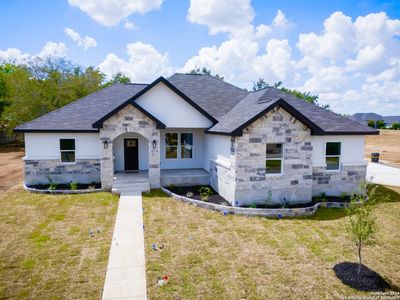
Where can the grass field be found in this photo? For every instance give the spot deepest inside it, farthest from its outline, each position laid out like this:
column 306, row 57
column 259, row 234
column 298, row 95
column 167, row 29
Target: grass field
column 387, row 143
column 46, row 251
column 211, row 256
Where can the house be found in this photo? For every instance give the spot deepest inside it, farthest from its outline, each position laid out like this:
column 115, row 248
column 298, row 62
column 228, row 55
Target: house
column 365, row 117
column 197, row 129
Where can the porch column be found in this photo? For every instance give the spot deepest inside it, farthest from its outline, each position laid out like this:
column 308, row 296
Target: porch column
column 154, row 159
column 106, row 163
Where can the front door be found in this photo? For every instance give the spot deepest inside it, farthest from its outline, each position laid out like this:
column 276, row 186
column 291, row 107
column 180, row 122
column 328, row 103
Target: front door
column 131, row 155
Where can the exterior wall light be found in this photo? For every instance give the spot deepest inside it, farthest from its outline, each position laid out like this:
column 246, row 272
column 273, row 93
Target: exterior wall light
column 154, row 144
column 105, row 144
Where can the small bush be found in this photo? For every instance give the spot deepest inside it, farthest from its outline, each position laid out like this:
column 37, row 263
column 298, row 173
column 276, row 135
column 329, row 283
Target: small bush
column 52, row 186
column 73, row 186
column 322, row 197
column 343, row 195
column 205, row 192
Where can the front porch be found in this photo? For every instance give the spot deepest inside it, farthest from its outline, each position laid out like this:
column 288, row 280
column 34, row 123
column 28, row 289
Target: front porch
column 177, row 177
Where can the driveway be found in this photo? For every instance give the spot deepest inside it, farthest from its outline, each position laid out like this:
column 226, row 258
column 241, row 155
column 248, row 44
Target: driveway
column 382, row 174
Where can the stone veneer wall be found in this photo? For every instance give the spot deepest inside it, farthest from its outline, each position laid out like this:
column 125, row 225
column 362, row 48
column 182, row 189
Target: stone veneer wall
column 129, row 119
column 248, row 160
column 45, row 170
column 333, row 183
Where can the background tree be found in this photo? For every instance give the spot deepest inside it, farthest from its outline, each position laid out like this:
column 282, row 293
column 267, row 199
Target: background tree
column 306, row 96
column 396, row 126
column 41, row 85
column 205, row 71
column 118, row 78
column 362, row 223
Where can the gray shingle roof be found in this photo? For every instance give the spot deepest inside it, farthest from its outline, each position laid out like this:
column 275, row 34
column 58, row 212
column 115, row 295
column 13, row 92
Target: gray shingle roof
column 233, row 107
column 213, row 95
column 319, row 119
column 359, row 117
column 81, row 114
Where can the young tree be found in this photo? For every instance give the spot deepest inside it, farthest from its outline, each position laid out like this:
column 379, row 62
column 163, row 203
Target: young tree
column 362, row 222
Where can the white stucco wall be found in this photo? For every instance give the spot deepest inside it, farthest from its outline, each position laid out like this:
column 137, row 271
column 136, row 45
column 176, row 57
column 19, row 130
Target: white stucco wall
column 172, row 110
column 118, row 151
column 47, row 145
column 217, row 148
column 197, row 159
column 352, row 149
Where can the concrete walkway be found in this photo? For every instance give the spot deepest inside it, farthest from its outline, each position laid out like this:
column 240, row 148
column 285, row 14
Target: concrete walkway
column 382, row 174
column 126, row 272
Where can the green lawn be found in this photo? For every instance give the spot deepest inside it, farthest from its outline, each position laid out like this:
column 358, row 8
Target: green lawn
column 211, row 256
column 46, row 251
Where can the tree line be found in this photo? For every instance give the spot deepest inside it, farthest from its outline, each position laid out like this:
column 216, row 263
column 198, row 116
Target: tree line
column 40, row 85
column 37, row 86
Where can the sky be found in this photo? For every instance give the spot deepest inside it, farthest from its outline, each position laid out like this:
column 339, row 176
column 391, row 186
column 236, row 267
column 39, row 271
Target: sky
column 347, row 52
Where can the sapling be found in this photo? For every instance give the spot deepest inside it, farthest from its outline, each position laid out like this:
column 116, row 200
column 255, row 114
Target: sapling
column 362, row 222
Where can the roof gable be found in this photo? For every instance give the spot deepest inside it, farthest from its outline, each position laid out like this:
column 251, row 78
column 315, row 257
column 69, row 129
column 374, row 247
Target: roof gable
column 256, row 104
column 99, row 122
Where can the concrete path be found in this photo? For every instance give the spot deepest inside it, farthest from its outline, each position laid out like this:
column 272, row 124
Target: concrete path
column 382, row 174
column 126, row 272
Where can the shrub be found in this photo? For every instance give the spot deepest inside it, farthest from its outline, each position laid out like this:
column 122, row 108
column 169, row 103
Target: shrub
column 322, row 197
column 73, row 186
column 52, row 186
column 343, row 195
column 205, row 192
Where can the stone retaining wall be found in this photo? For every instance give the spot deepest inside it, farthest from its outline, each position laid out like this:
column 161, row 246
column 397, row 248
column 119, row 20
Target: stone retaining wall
column 261, row 212
column 82, row 171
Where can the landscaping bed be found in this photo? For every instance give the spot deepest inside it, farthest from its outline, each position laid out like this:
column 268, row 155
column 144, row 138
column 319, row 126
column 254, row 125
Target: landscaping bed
column 194, row 193
column 71, row 188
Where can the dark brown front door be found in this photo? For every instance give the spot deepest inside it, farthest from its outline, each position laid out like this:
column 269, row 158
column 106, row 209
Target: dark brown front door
column 131, row 155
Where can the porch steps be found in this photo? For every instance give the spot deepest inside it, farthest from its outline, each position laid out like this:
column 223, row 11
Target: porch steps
column 128, row 182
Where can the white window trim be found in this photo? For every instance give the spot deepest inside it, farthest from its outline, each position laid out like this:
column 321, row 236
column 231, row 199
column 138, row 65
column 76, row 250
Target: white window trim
column 276, row 158
column 60, row 151
column 339, row 156
column 179, row 147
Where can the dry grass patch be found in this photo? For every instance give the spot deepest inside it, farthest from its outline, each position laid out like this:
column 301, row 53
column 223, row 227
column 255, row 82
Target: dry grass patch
column 211, row 256
column 46, row 251
column 387, row 143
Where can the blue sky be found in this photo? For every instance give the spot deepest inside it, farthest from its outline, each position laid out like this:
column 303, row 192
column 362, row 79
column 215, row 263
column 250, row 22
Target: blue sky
column 342, row 61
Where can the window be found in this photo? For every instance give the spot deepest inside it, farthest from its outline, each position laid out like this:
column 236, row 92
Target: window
column 178, row 145
column 171, row 145
column 332, row 154
column 67, row 149
column 274, row 157
column 186, row 145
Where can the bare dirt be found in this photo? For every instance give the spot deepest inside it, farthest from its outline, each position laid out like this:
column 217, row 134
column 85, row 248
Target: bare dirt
column 387, row 143
column 11, row 171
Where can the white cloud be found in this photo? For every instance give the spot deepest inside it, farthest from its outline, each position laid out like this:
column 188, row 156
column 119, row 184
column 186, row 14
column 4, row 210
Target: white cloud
column 49, row 49
column 53, row 49
column 221, row 16
column 85, row 42
column 111, row 12
column 129, row 25
column 280, row 20
column 143, row 65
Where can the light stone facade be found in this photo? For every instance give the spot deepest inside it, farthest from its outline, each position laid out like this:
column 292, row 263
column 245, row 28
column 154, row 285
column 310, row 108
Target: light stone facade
column 45, row 171
column 129, row 119
column 333, row 183
column 245, row 181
